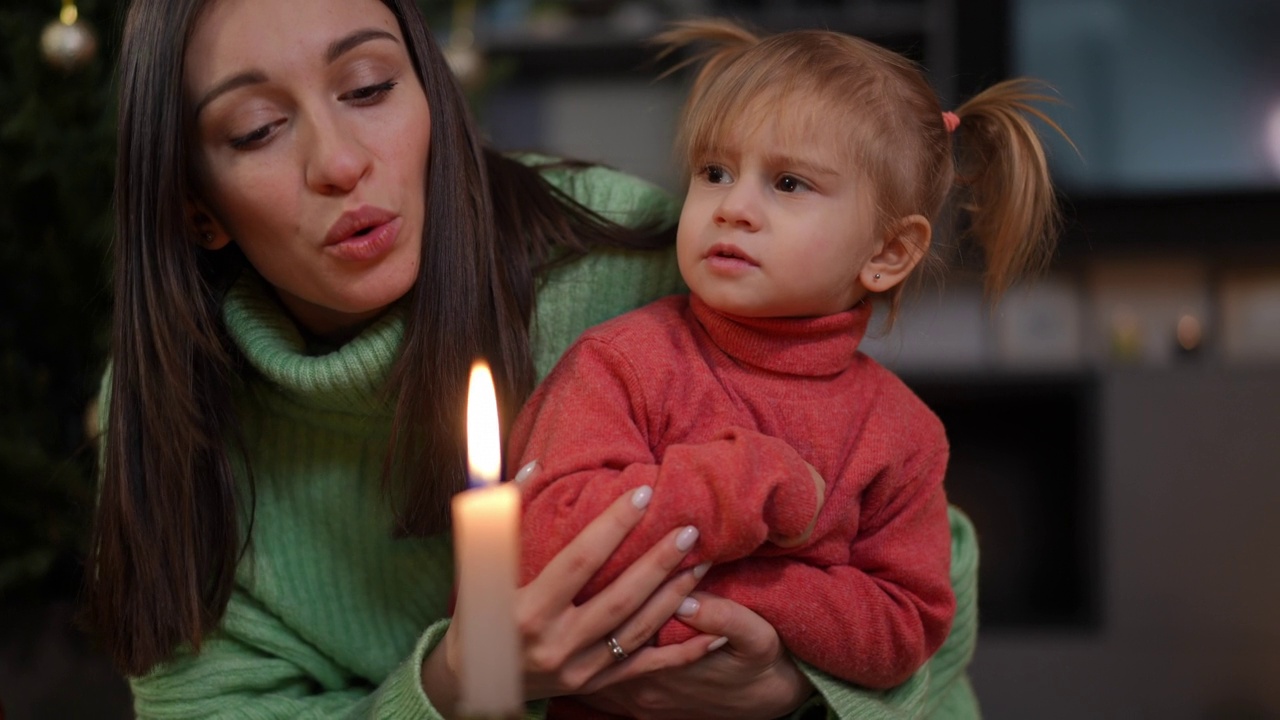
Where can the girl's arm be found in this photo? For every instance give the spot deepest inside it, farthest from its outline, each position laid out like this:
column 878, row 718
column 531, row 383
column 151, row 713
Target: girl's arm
column 588, row 427
column 745, row 679
column 877, row 619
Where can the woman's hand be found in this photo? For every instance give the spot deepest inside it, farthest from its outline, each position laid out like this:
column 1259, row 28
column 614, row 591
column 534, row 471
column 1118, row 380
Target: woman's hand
column 750, row 675
column 566, row 646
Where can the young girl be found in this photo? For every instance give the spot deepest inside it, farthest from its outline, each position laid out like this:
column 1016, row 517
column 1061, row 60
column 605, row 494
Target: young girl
column 818, row 165
column 312, row 245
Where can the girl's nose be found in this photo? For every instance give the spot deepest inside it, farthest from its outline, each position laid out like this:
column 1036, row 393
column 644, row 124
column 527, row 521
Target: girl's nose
column 739, row 208
column 336, row 160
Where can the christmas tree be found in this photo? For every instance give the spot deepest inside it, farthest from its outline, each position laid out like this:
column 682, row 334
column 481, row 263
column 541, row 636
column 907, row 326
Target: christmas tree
column 57, row 154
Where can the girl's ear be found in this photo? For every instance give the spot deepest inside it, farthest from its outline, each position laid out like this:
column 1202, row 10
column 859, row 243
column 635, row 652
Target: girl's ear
column 212, row 234
column 904, row 246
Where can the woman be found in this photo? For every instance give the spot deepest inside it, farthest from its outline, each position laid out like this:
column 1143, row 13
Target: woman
column 312, row 245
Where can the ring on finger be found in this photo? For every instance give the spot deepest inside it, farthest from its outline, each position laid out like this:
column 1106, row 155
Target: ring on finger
column 618, row 653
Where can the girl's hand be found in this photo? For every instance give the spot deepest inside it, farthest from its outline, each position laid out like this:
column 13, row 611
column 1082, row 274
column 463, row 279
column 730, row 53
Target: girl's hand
column 749, row 676
column 820, row 487
column 566, row 646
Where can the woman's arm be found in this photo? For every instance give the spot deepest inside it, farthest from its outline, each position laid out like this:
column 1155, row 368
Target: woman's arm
column 748, row 676
column 564, row 643
column 257, row 666
column 745, row 679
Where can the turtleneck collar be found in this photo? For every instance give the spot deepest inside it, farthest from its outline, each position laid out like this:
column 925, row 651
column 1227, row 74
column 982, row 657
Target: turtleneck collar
column 813, row 347
column 346, row 379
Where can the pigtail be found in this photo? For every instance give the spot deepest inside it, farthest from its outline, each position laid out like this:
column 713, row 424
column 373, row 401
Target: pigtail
column 1003, row 170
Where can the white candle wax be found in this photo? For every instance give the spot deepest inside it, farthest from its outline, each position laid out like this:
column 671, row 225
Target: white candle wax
column 486, row 527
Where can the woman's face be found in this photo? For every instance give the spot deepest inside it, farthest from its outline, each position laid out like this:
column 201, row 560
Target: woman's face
column 311, row 141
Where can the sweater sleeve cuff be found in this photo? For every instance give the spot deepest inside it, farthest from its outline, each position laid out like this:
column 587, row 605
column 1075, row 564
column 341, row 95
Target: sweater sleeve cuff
column 847, row 702
column 402, row 695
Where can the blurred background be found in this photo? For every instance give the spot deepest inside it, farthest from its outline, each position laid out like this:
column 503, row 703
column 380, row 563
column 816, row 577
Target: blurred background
column 1115, row 424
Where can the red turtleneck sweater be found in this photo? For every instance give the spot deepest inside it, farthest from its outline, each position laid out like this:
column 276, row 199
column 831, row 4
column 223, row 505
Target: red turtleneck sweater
column 719, row 414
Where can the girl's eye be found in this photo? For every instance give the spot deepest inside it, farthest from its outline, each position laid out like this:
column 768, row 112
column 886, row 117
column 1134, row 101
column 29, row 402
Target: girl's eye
column 791, row 183
column 369, row 94
column 715, row 174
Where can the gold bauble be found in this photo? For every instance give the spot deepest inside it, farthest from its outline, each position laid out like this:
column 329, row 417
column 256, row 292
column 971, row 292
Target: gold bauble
column 68, row 43
column 465, row 59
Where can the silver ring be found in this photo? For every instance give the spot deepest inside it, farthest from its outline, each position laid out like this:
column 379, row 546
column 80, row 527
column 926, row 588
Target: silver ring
column 618, row 653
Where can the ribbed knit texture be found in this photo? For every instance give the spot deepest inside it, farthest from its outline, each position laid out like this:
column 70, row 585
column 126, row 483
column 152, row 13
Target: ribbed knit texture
column 718, row 414
column 941, row 689
column 332, row 617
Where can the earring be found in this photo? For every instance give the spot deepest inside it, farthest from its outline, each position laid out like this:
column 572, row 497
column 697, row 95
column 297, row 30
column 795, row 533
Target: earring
column 207, row 237
column 877, row 276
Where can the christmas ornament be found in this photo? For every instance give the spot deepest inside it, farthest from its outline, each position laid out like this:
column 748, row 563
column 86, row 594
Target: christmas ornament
column 461, row 52
column 68, row 43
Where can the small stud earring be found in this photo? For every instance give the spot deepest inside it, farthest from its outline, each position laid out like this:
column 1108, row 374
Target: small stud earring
column 877, row 276
column 207, row 237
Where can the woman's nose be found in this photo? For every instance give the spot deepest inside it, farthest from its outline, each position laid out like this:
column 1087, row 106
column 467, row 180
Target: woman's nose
column 336, row 160
column 738, row 208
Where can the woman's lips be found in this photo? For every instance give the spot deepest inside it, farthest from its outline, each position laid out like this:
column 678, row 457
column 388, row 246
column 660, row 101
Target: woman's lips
column 363, row 234
column 369, row 243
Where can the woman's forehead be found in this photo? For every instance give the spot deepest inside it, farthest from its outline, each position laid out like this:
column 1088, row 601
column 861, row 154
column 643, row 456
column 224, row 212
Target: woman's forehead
column 234, row 36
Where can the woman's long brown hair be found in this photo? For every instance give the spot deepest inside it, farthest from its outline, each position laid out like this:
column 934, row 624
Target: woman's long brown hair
column 171, row 518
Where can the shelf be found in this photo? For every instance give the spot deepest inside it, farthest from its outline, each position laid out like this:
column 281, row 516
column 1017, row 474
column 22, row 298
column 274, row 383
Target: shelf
column 1212, row 221
column 588, row 47
column 600, row 46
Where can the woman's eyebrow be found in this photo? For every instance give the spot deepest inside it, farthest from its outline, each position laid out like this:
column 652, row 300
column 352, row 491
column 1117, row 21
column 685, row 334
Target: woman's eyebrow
column 359, row 37
column 251, row 77
column 336, row 49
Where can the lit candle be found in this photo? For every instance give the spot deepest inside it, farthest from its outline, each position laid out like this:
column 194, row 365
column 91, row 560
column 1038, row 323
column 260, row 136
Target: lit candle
column 486, row 528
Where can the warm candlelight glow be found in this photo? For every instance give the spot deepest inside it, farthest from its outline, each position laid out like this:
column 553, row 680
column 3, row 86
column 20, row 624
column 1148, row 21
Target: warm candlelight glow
column 484, row 449
column 486, row 537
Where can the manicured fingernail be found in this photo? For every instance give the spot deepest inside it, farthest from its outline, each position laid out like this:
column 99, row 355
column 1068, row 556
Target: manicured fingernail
column 717, row 643
column 686, row 538
column 701, row 570
column 641, row 497
column 688, row 607
column 525, row 472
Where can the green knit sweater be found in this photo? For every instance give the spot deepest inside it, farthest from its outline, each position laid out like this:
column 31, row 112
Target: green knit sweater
column 331, row 617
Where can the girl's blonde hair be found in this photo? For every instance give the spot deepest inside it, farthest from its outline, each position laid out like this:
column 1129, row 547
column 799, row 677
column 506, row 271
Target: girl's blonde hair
column 896, row 134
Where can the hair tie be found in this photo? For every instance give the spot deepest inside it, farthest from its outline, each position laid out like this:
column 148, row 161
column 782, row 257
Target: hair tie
column 951, row 120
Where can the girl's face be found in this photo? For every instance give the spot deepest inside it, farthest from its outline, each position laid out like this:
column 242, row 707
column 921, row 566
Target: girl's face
column 311, row 141
column 777, row 223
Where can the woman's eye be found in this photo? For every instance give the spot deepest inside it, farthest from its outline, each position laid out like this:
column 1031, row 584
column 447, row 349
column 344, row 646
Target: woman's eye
column 368, row 94
column 253, row 139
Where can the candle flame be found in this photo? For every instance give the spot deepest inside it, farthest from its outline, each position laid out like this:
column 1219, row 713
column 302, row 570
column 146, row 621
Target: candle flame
column 484, row 447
